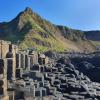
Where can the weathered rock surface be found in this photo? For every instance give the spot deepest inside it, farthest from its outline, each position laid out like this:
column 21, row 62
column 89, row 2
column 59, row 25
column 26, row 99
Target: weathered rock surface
column 76, row 75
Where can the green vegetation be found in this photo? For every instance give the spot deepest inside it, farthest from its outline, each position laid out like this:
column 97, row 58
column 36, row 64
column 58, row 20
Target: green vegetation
column 33, row 31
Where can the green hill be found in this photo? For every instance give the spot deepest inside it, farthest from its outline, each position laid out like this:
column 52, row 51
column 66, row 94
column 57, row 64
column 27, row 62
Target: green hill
column 29, row 29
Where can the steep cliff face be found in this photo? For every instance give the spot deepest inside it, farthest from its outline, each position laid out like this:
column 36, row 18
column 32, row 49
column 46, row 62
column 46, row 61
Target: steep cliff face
column 30, row 30
column 71, row 34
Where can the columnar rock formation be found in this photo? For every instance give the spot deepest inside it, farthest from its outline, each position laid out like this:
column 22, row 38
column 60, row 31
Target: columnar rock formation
column 13, row 63
column 3, row 80
column 27, row 75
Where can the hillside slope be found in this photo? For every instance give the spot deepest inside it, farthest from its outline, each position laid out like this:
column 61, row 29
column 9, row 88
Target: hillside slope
column 29, row 30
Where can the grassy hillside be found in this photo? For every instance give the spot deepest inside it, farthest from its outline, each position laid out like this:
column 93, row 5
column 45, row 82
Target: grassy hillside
column 28, row 29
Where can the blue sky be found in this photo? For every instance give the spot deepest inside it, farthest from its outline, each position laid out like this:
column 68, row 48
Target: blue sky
column 78, row 14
